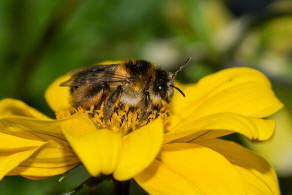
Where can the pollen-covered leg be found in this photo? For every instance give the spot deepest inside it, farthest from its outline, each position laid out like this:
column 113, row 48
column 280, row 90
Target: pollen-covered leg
column 111, row 102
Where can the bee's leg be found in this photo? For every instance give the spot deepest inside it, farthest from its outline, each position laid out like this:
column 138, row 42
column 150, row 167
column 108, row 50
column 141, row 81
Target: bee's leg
column 145, row 106
column 111, row 102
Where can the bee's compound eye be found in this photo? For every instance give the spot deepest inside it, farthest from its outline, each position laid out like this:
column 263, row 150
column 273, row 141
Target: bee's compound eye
column 159, row 87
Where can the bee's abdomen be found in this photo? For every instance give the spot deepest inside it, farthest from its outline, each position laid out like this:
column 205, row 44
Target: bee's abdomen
column 88, row 95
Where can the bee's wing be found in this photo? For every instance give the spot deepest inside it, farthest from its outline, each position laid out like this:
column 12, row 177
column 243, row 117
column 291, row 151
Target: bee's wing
column 94, row 75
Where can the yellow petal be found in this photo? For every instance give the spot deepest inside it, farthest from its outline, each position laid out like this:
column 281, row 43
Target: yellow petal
column 98, row 149
column 278, row 151
column 258, row 176
column 11, row 143
column 139, row 150
column 238, row 90
column 201, row 168
column 159, row 179
column 109, row 62
column 38, row 173
column 54, row 158
column 16, row 107
column 31, row 128
column 14, row 150
column 79, row 124
column 58, row 97
column 34, row 148
column 218, row 125
column 9, row 161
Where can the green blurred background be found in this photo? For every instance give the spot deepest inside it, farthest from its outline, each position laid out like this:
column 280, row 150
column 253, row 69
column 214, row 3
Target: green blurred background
column 43, row 39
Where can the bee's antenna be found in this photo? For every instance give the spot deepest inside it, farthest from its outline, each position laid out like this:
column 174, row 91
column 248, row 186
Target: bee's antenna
column 179, row 90
column 181, row 67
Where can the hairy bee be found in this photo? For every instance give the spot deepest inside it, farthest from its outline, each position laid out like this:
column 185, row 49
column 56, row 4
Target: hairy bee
column 136, row 83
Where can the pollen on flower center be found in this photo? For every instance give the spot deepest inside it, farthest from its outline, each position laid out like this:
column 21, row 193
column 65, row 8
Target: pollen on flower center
column 124, row 118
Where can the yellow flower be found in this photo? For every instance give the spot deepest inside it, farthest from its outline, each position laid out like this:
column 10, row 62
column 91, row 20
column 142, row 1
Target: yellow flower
column 178, row 153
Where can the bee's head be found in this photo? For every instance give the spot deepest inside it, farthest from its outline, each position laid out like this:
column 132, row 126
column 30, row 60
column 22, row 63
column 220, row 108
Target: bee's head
column 163, row 85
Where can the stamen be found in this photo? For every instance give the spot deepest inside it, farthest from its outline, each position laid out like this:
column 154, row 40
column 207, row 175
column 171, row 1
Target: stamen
column 124, row 118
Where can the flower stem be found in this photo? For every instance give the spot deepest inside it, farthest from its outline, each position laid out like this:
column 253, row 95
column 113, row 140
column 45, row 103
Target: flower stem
column 91, row 183
column 122, row 187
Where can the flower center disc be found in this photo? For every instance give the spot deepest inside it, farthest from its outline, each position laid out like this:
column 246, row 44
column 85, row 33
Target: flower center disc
column 124, row 118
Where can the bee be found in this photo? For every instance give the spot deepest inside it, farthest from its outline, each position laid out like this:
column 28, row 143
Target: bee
column 136, row 83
